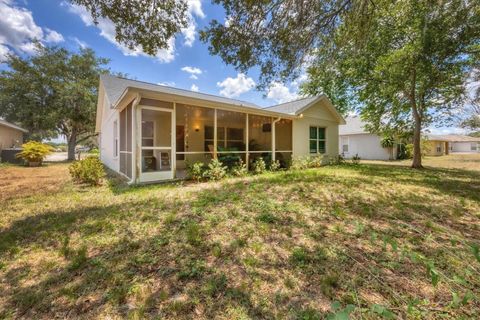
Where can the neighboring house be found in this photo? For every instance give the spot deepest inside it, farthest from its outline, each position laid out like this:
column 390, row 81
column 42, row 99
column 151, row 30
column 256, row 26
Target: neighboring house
column 150, row 132
column 355, row 140
column 440, row 145
column 11, row 135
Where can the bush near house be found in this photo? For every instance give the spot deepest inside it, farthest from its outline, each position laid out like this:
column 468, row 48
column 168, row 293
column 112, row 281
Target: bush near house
column 33, row 152
column 89, row 170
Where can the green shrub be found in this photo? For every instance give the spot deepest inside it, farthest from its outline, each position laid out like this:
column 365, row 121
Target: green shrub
column 356, row 159
column 34, row 151
column 275, row 165
column 306, row 162
column 215, row 170
column 300, row 163
column 89, row 170
column 315, row 161
column 195, row 171
column 336, row 160
column 239, row 169
column 259, row 166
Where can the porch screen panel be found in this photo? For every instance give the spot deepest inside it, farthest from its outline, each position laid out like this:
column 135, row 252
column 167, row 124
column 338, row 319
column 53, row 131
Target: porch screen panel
column 194, row 134
column 283, row 135
column 231, row 134
column 259, row 138
column 126, row 141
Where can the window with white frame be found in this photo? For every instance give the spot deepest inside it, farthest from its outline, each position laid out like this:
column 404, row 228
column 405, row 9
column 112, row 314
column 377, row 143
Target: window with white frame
column 345, row 144
column 115, row 138
column 439, row 147
column 317, row 140
column 473, row 146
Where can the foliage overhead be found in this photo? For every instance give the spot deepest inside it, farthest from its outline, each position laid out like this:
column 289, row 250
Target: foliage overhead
column 148, row 24
column 277, row 36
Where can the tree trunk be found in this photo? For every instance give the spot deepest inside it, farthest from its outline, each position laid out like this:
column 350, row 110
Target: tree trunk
column 417, row 152
column 72, row 143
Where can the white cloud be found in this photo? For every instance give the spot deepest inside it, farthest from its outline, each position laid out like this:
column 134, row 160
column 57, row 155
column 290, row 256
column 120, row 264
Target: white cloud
column 107, row 30
column 194, row 9
column 18, row 29
column 80, row 43
column 167, row 83
column 233, row 87
column 280, row 93
column 193, row 77
column 228, row 21
column 194, row 88
column 53, row 36
column 192, row 70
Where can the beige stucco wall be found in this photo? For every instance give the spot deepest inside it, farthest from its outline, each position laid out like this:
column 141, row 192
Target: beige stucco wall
column 432, row 146
column 9, row 137
column 317, row 115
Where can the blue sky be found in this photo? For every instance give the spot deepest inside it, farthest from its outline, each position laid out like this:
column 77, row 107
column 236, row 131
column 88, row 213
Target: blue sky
column 187, row 64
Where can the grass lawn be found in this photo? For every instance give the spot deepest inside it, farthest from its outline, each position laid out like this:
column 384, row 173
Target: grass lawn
column 382, row 240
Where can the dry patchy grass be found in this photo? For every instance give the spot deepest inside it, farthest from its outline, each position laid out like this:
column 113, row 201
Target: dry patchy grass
column 386, row 241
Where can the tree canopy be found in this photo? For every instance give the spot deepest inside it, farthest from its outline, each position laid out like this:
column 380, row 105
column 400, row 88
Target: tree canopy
column 146, row 23
column 53, row 92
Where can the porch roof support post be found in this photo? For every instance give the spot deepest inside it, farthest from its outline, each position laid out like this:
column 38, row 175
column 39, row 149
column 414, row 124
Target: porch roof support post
column 273, row 137
column 173, row 152
column 136, row 140
column 215, row 142
column 247, row 156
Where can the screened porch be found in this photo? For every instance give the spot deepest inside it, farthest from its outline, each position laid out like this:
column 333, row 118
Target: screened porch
column 167, row 136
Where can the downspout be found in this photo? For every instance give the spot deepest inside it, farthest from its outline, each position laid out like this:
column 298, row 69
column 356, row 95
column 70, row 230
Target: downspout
column 273, row 137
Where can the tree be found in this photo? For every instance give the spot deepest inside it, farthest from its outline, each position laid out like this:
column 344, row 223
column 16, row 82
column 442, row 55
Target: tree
column 149, row 24
column 472, row 121
column 408, row 65
column 53, row 92
column 402, row 63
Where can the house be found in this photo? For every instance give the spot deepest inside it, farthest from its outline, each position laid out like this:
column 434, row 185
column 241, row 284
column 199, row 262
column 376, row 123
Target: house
column 11, row 135
column 355, row 140
column 149, row 132
column 439, row 145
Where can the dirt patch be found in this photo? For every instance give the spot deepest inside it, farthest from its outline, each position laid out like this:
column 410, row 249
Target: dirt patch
column 18, row 181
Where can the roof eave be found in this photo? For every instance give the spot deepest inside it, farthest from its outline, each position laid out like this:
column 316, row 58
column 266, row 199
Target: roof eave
column 234, row 107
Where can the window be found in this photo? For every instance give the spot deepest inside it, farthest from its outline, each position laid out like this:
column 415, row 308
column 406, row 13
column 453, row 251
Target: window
column 345, row 145
column 473, row 147
column 115, row 138
column 439, row 147
column 317, row 140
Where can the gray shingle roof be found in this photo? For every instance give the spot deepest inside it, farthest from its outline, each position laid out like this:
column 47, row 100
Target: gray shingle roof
column 292, row 107
column 354, row 125
column 451, row 138
column 11, row 125
column 116, row 86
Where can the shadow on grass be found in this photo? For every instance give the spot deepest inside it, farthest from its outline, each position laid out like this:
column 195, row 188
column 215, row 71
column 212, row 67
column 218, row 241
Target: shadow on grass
column 176, row 269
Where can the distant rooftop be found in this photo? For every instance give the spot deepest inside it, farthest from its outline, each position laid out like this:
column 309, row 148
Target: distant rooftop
column 11, row 125
column 452, row 138
column 292, row 107
column 354, row 125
